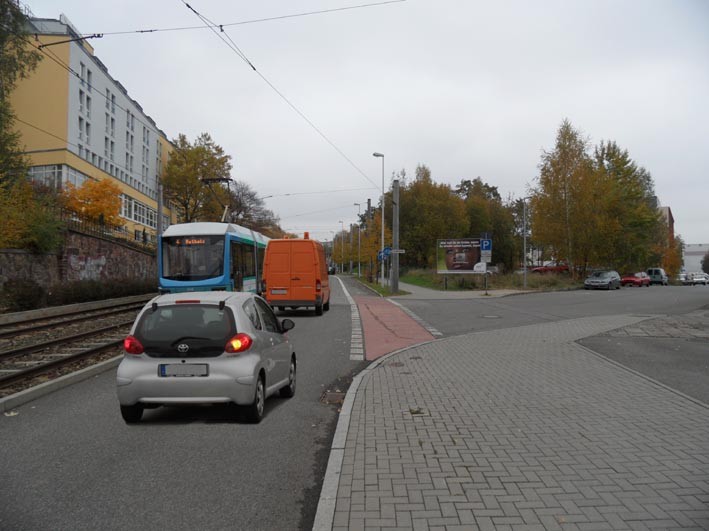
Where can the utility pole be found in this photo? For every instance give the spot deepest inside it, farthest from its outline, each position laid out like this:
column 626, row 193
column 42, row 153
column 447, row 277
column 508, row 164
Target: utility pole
column 395, row 236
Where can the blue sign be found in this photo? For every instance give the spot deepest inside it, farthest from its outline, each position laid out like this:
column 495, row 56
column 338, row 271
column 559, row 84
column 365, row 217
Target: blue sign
column 387, row 252
column 379, row 256
column 486, row 245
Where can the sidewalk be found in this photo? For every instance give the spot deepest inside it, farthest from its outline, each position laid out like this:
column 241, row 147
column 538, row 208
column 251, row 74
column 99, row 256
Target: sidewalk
column 417, row 292
column 516, row 429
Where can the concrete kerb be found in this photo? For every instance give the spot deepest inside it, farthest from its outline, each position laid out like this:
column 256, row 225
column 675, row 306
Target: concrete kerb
column 328, row 494
column 12, row 401
column 641, row 375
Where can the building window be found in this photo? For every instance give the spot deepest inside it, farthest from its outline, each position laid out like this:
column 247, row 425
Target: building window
column 131, row 164
column 108, row 123
column 108, row 99
column 81, row 128
column 50, row 176
column 113, row 103
column 89, row 77
column 113, row 126
column 88, row 133
column 82, row 71
column 82, row 101
column 113, row 149
column 88, row 107
column 105, row 146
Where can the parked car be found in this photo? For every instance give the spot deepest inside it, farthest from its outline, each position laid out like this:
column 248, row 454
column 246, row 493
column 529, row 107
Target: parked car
column 552, row 267
column 636, row 279
column 603, row 280
column 657, row 276
column 205, row 347
column 699, row 278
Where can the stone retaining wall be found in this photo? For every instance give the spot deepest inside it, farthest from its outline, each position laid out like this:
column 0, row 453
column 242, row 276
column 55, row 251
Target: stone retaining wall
column 83, row 257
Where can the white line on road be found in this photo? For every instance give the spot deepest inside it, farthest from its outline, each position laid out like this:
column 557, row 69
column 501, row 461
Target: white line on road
column 357, row 340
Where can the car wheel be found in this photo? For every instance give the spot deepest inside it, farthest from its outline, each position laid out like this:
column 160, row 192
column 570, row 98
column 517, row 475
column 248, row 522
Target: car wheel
column 318, row 309
column 289, row 390
column 132, row 414
column 326, row 306
column 254, row 411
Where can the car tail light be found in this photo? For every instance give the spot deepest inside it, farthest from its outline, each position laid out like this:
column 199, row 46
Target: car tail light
column 238, row 343
column 132, row 346
column 318, row 285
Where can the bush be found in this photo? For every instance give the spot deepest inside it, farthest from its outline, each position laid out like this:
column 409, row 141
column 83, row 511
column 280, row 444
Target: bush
column 24, row 294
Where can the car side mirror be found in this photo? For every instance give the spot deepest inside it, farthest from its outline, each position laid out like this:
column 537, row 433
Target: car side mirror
column 287, row 324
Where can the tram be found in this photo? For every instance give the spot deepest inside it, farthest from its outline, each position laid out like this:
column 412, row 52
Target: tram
column 210, row 257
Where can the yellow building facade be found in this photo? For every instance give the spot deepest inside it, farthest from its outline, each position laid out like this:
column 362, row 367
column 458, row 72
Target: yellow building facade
column 78, row 123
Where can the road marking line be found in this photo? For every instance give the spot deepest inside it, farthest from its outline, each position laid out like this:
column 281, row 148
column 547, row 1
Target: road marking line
column 416, row 318
column 357, row 339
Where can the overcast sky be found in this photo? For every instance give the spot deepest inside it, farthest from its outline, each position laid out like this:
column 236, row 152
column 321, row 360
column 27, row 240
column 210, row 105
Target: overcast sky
column 467, row 88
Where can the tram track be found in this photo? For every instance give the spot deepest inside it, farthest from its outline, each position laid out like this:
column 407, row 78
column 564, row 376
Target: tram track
column 40, row 349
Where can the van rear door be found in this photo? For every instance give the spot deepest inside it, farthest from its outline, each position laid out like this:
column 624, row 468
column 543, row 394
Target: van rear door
column 279, row 268
column 303, row 271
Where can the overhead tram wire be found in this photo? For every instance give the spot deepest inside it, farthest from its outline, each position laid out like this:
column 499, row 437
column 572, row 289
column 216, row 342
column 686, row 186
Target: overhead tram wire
column 282, row 17
column 236, row 50
column 319, row 192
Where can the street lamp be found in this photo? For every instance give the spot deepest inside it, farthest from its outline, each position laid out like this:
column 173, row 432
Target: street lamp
column 342, row 256
column 359, row 239
column 381, row 155
column 524, row 239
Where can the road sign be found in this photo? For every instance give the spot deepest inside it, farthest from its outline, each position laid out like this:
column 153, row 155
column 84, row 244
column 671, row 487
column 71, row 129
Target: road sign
column 398, row 251
column 379, row 256
column 486, row 256
column 387, row 252
column 486, row 245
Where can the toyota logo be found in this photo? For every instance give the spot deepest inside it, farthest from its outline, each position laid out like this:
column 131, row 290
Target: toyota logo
column 183, row 347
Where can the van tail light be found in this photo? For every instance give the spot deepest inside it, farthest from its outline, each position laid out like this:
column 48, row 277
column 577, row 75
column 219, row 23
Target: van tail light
column 318, row 285
column 132, row 346
column 238, row 343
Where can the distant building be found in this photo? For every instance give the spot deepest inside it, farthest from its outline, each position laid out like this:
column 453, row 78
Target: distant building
column 670, row 220
column 79, row 123
column 693, row 255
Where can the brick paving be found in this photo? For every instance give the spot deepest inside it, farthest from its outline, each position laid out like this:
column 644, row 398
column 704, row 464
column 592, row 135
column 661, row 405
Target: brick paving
column 516, row 429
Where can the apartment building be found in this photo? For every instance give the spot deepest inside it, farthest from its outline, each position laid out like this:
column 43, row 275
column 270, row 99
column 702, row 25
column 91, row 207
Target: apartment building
column 77, row 122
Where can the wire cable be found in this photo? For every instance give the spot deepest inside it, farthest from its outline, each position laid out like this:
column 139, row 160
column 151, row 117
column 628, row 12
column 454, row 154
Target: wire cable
column 253, row 21
column 236, row 50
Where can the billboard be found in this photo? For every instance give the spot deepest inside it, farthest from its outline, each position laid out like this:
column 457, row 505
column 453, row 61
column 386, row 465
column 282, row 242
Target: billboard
column 457, row 256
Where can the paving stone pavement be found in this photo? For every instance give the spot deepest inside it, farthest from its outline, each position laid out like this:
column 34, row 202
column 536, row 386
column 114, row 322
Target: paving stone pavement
column 518, row 429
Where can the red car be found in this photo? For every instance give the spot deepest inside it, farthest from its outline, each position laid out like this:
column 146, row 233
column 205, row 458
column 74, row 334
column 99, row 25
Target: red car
column 552, row 267
column 636, row 279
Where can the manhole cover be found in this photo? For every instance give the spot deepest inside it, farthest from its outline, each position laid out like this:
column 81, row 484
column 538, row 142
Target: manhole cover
column 332, row 397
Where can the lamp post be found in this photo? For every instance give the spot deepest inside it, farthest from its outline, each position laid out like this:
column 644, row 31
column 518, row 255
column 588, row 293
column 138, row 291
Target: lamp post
column 381, row 155
column 342, row 256
column 524, row 239
column 359, row 239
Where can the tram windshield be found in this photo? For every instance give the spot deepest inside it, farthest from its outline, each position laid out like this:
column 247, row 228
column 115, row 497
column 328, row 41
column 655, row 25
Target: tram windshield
column 192, row 257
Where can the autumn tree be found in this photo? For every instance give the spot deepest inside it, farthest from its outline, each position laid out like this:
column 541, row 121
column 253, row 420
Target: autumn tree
column 17, row 61
column 97, row 201
column 29, row 219
column 428, row 212
column 248, row 209
column 191, row 167
column 558, row 207
column 487, row 214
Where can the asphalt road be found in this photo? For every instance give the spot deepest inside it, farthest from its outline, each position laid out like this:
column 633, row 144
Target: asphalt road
column 69, row 462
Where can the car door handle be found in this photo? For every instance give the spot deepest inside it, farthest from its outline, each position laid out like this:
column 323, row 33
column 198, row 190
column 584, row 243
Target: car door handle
column 295, row 278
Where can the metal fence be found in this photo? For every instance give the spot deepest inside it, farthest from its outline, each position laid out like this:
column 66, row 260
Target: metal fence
column 141, row 240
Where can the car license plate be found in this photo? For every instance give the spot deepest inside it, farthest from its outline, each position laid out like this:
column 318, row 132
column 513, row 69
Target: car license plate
column 183, row 369
column 279, row 291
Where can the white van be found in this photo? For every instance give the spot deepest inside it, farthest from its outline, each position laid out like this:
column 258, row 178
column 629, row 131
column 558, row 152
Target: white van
column 657, row 276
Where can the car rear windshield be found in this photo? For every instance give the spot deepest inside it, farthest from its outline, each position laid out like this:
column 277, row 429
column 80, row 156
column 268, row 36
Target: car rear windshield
column 185, row 330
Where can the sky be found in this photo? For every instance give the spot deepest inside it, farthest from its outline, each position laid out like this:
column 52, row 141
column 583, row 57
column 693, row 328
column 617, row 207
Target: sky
column 467, row 88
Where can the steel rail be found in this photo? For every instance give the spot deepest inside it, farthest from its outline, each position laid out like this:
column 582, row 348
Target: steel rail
column 58, row 320
column 59, row 341
column 44, row 367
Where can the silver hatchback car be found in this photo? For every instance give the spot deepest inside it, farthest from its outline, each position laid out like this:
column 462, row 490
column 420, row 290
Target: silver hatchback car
column 206, row 347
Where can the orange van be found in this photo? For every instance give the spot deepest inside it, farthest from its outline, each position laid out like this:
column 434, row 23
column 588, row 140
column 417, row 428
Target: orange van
column 295, row 274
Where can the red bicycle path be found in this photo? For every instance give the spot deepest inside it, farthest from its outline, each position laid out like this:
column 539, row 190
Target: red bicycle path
column 386, row 327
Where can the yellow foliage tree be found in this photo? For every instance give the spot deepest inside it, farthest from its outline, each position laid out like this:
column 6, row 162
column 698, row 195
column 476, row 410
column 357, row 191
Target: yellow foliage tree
column 94, row 201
